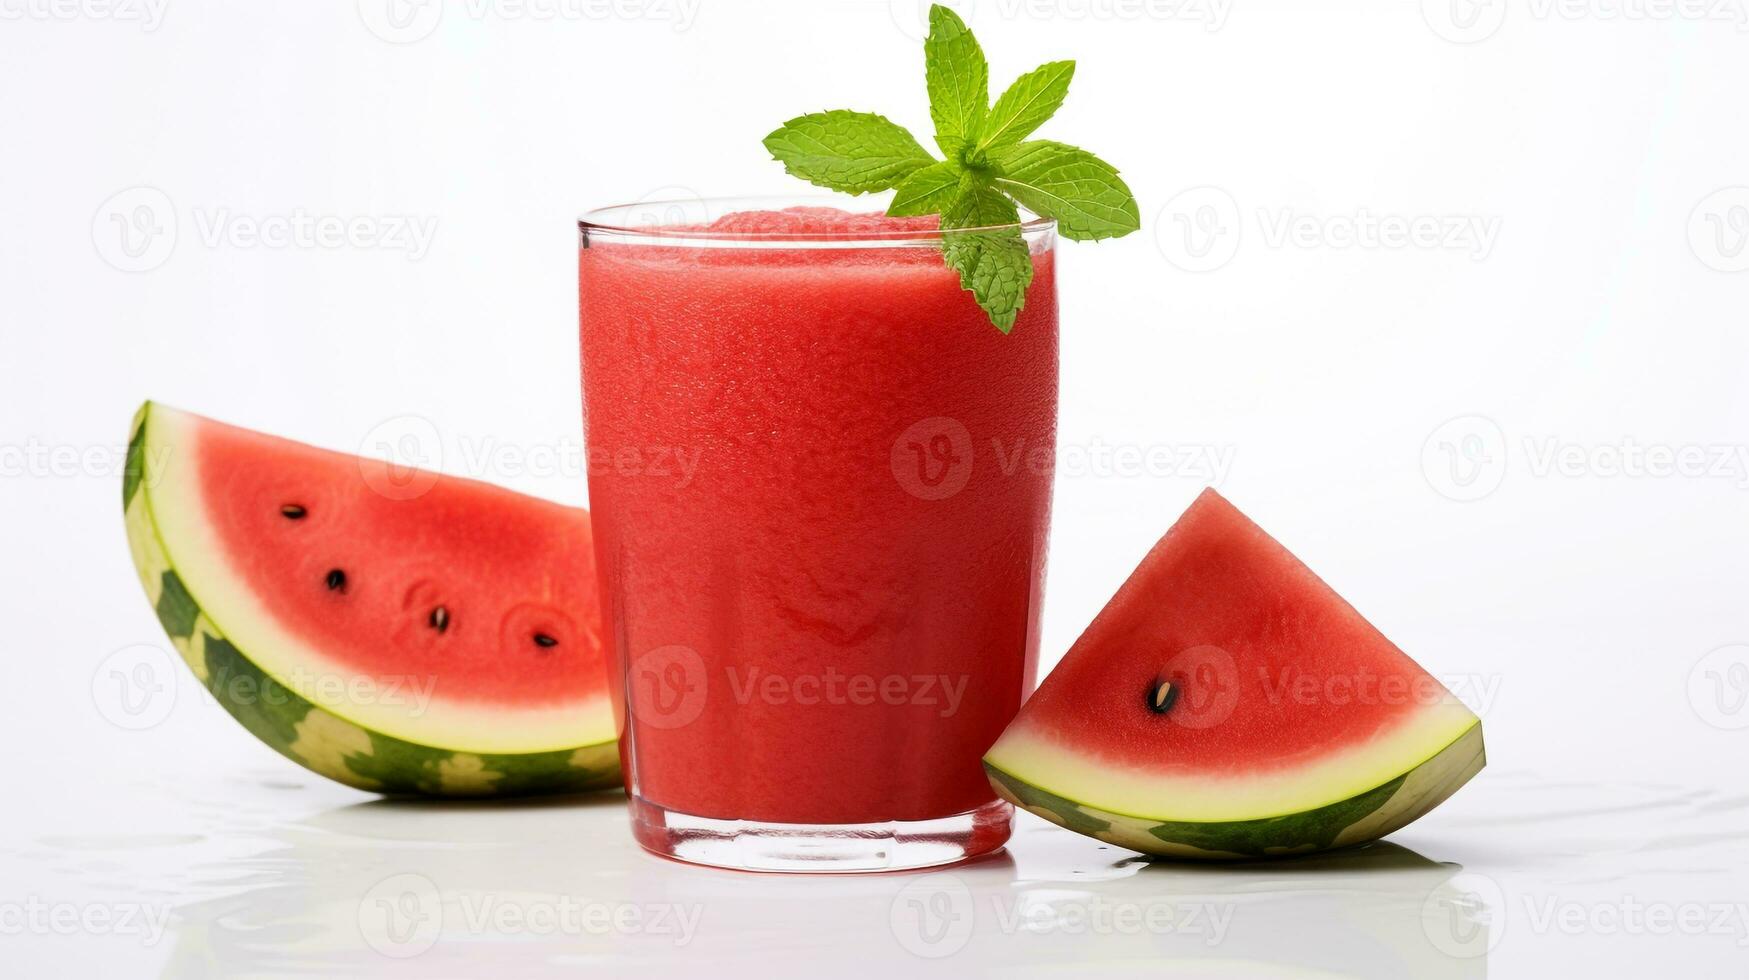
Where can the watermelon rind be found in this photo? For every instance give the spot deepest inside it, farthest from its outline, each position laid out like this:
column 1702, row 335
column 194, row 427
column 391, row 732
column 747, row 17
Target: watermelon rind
column 316, row 736
column 1356, row 819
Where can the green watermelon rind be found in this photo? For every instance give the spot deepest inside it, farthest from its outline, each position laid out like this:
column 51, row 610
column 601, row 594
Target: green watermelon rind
column 1364, row 817
column 308, row 734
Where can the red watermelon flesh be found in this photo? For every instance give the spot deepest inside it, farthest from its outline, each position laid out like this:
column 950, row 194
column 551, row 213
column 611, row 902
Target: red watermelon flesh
column 510, row 578
column 394, row 629
column 1228, row 700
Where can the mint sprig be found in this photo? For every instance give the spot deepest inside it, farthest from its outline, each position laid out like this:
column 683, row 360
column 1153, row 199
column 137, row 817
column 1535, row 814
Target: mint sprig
column 989, row 166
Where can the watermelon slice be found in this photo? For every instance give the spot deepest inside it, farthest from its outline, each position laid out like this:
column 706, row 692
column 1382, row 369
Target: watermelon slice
column 396, row 631
column 1228, row 703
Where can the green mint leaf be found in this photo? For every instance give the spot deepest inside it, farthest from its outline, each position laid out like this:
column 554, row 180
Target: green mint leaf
column 1033, row 98
column 927, row 191
column 854, row 152
column 958, row 80
column 1082, row 192
column 995, row 265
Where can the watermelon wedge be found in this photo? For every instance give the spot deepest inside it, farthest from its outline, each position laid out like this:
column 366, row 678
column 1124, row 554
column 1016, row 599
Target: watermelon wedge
column 1228, row 703
column 396, row 631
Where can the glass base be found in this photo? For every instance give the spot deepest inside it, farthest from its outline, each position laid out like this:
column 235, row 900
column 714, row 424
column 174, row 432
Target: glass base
column 750, row 845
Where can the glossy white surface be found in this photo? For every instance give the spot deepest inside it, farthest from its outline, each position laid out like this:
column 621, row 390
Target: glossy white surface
column 263, row 871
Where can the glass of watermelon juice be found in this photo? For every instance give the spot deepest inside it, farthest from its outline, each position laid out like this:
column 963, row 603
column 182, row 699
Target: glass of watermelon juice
column 820, row 484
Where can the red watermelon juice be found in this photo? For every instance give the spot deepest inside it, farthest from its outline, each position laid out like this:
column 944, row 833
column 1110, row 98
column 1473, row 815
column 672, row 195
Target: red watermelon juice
column 820, row 485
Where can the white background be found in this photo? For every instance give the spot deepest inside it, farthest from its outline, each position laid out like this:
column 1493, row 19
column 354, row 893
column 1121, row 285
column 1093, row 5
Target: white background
column 1472, row 438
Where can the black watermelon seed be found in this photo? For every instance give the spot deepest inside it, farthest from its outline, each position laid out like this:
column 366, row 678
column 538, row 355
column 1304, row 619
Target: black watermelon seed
column 439, row 619
column 336, row 580
column 1162, row 695
column 294, row 512
column 543, row 640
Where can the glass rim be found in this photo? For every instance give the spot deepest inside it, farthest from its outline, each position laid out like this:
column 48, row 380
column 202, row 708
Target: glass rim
column 610, row 223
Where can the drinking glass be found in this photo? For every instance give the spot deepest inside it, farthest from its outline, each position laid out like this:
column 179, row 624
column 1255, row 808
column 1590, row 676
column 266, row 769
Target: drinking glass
column 821, row 481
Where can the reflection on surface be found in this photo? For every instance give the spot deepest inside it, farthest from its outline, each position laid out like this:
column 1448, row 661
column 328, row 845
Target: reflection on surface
column 556, row 887
column 261, row 876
